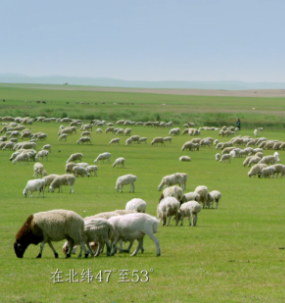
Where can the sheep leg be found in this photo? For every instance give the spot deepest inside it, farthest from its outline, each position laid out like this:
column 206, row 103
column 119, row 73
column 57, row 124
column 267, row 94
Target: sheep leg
column 155, row 240
column 41, row 249
column 195, row 220
column 95, row 173
column 114, row 246
column 90, row 249
column 70, row 248
column 133, row 187
column 108, row 247
column 168, row 221
column 138, row 248
column 71, row 189
column 54, row 251
column 84, row 248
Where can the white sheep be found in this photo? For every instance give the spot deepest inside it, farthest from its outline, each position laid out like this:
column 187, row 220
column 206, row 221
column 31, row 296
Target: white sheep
column 177, row 178
column 185, row 158
column 84, row 140
column 119, row 161
column 135, row 138
column 157, row 140
column 174, row 131
column 142, row 139
column 167, row 139
column 61, row 137
column 188, row 145
column 92, row 168
column 188, row 209
column 253, row 160
column 134, row 227
column 66, row 179
column 53, row 225
column 74, row 157
column 279, row 169
column 39, row 170
column 167, row 208
column 80, row 171
column 34, row 185
column 99, row 130
column 129, row 141
column 256, row 169
column 127, row 131
column 47, row 147
column 137, row 205
column 203, row 191
column 115, row 140
column 42, row 154
column 124, row 180
column 49, row 179
column 214, row 195
column 270, row 159
column 23, row 157
column 217, row 156
column 267, row 172
column 255, row 132
column 226, row 157
column 172, row 191
column 103, row 157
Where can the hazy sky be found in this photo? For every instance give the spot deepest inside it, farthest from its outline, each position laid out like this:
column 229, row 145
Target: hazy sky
column 145, row 39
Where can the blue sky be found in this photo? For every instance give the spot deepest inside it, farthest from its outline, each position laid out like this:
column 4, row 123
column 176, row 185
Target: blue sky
column 201, row 40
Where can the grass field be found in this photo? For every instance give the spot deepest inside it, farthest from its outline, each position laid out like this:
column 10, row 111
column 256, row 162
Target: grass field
column 232, row 255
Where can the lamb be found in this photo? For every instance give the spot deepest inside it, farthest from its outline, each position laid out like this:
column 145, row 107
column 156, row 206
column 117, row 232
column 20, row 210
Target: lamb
column 47, row 147
column 61, row 137
column 226, row 157
column 134, row 226
column 39, row 170
column 191, row 196
column 172, row 191
column 167, row 208
column 169, row 139
column 119, row 161
column 34, row 185
column 80, row 171
column 214, row 195
column 267, row 172
column 129, row 141
column 142, row 139
column 66, row 179
column 174, row 131
column 53, row 225
column 177, row 178
column 42, row 154
column 84, row 140
column 217, row 156
column 103, row 157
column 115, row 140
column 185, row 158
column 74, row 157
column 203, row 191
column 157, row 140
column 256, row 169
column 137, row 205
column 124, row 180
column 96, row 230
column 188, row 209
column 92, row 168
column 270, row 159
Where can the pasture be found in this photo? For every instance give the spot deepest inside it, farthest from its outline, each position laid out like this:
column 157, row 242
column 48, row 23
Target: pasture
column 232, row 255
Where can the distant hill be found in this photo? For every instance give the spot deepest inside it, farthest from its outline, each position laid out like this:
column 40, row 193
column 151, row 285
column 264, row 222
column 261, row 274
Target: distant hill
column 108, row 82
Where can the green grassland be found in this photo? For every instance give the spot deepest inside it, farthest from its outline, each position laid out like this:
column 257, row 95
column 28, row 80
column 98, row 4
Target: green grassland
column 232, row 255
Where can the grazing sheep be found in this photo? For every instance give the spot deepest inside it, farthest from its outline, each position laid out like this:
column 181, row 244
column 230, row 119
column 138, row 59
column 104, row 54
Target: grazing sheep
column 124, row 180
column 84, row 140
column 205, row 142
column 185, row 158
column 191, row 196
column 103, row 157
column 119, row 161
column 99, row 130
column 49, row 179
column 167, row 208
column 85, row 134
column 228, row 150
column 256, row 169
column 80, row 171
column 253, row 160
column 137, row 205
column 174, row 131
column 129, row 141
column 53, row 225
column 23, row 157
column 203, row 191
column 115, row 140
column 172, row 191
column 177, row 178
column 47, row 147
column 157, row 140
column 135, row 138
column 86, row 127
column 225, row 157
column 270, row 159
column 8, row 145
column 217, row 156
column 214, row 195
column 61, row 180
column 188, row 145
column 279, row 169
column 127, row 131
column 134, row 226
column 167, row 139
column 61, row 137
column 142, row 139
column 74, row 157
column 42, row 154
column 34, row 185
column 39, row 170
column 188, row 209
column 267, row 172
column 92, row 168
